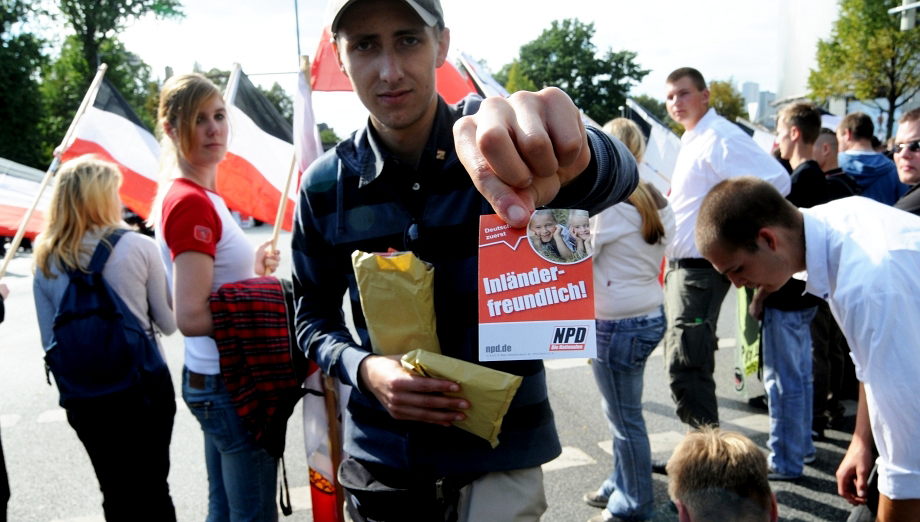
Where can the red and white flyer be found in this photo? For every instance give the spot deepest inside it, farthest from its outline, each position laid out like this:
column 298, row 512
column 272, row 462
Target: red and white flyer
column 536, row 297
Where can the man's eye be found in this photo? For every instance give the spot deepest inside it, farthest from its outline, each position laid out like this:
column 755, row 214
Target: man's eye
column 363, row 46
column 410, row 40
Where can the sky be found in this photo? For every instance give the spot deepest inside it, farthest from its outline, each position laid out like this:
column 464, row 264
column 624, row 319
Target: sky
column 726, row 40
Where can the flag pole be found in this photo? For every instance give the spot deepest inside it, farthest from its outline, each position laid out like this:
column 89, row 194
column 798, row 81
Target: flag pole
column 88, row 100
column 282, row 205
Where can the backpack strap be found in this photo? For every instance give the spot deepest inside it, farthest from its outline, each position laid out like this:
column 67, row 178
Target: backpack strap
column 104, row 249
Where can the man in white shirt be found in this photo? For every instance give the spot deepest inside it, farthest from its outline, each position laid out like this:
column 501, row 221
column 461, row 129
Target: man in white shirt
column 862, row 257
column 712, row 149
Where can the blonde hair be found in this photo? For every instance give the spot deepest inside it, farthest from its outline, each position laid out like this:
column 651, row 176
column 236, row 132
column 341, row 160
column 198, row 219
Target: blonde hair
column 181, row 98
column 85, row 198
column 720, row 475
column 631, row 135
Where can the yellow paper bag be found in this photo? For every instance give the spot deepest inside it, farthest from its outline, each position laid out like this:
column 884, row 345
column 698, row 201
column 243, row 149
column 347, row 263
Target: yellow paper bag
column 488, row 391
column 397, row 298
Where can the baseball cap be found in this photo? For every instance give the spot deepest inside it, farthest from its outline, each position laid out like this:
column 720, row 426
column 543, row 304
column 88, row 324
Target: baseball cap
column 428, row 10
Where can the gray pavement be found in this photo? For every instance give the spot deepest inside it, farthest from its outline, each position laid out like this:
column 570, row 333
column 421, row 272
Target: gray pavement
column 52, row 480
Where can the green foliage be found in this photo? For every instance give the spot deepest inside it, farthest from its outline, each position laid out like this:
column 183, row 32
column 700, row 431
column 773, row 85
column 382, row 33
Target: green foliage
column 20, row 110
column 67, row 79
column 517, row 80
column 868, row 57
column 97, row 22
column 564, row 56
column 727, row 101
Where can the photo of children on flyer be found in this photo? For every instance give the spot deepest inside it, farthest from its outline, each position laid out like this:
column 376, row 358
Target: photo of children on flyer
column 560, row 235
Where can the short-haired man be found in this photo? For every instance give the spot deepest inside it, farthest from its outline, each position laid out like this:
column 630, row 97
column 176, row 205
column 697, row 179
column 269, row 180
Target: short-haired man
column 907, row 159
column 862, row 257
column 720, row 475
column 712, row 149
column 825, row 151
column 874, row 172
column 417, row 178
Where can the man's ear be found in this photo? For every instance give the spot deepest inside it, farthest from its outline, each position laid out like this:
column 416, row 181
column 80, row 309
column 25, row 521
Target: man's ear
column 443, row 45
column 794, row 133
column 682, row 514
column 338, row 57
column 769, row 236
column 774, row 509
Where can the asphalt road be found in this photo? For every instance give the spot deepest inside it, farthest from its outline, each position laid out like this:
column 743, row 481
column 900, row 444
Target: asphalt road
column 52, row 480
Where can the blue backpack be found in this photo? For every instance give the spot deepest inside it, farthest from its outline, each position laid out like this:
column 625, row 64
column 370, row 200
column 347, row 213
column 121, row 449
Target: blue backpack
column 98, row 347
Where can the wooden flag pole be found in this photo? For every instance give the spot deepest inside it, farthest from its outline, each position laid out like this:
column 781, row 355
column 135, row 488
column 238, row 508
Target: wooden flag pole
column 88, row 100
column 282, row 205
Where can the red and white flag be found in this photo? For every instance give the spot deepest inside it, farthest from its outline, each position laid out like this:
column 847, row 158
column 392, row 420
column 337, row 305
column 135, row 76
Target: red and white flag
column 111, row 130
column 252, row 175
column 18, row 188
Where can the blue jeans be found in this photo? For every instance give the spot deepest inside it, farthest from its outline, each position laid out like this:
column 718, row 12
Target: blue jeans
column 623, row 346
column 241, row 474
column 788, row 379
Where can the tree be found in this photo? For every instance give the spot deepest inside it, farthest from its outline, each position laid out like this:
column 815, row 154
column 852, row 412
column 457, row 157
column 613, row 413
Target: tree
column 727, row 101
column 869, row 57
column 21, row 110
column 564, row 56
column 517, row 80
column 97, row 22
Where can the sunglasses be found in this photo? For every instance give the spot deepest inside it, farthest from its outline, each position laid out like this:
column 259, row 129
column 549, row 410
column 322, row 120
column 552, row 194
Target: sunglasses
column 912, row 146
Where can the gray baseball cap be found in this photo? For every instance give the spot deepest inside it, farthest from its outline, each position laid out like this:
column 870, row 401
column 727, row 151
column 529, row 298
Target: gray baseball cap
column 428, row 10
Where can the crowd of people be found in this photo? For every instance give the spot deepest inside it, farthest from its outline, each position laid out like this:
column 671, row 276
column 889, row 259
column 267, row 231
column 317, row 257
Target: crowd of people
column 418, row 177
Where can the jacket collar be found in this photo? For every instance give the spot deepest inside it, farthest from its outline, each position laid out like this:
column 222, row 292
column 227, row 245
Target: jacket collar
column 366, row 154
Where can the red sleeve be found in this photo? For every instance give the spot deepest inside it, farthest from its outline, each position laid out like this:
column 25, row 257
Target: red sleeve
column 190, row 221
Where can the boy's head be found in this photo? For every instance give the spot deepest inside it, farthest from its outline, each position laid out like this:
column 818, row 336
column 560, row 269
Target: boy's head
column 798, row 123
column 389, row 49
column 855, row 129
column 720, row 475
column 750, row 233
column 543, row 224
column 825, row 149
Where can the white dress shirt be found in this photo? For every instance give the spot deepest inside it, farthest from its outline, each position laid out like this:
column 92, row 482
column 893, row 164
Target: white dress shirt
column 862, row 256
column 716, row 149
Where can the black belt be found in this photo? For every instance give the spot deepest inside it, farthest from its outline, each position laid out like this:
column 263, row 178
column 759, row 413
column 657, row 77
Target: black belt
column 196, row 381
column 690, row 262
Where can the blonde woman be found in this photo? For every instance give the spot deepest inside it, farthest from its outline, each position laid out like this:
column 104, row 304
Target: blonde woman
column 204, row 248
column 628, row 245
column 126, row 435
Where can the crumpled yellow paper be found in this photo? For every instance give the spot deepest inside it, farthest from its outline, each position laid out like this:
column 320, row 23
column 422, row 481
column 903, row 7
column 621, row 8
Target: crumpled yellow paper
column 488, row 391
column 397, row 298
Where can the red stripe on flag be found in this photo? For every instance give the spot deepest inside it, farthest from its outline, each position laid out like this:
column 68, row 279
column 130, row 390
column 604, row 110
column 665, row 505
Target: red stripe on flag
column 243, row 187
column 11, row 217
column 137, row 191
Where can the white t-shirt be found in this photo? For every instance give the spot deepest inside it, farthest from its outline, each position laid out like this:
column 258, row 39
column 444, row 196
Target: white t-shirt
column 862, row 256
column 197, row 219
column 626, row 268
column 715, row 150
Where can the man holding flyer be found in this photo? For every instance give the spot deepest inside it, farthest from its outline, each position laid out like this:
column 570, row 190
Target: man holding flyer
column 417, row 178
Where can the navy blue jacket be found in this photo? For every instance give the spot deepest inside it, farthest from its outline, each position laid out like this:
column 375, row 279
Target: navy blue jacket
column 359, row 197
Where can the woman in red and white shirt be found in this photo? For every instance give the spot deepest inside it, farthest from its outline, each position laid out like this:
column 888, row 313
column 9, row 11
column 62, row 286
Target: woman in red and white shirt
column 204, row 248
